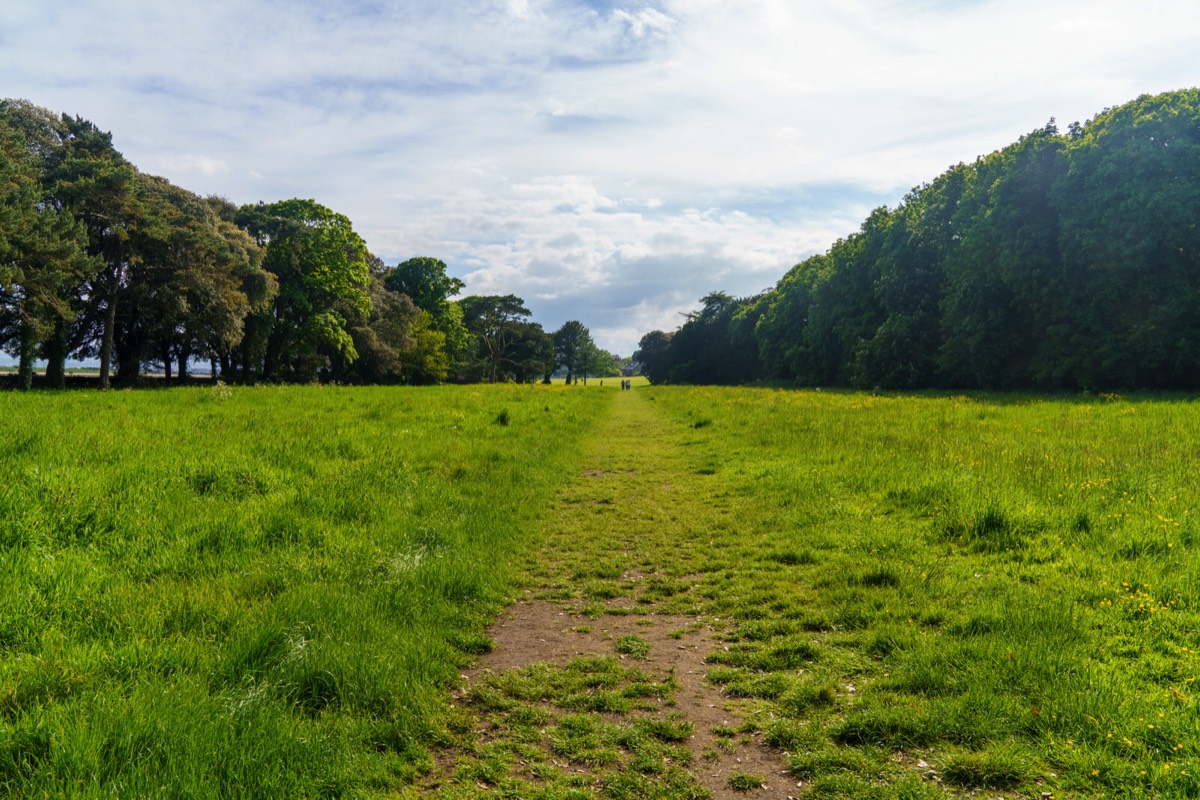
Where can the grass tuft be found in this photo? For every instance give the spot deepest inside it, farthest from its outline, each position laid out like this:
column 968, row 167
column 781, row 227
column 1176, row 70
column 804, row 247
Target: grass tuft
column 745, row 782
column 990, row 769
column 633, row 646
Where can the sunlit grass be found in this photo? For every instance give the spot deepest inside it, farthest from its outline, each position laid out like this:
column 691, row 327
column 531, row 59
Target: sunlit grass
column 256, row 592
column 273, row 590
column 1007, row 586
column 1001, row 589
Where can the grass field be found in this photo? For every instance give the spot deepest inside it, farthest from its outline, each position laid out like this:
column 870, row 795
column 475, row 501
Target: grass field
column 255, row 592
column 273, row 590
column 1002, row 588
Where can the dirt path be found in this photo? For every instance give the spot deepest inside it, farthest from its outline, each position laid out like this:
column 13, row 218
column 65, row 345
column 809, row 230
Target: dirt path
column 609, row 640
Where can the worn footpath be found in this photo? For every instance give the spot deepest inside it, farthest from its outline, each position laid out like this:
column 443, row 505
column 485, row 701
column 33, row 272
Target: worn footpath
column 595, row 685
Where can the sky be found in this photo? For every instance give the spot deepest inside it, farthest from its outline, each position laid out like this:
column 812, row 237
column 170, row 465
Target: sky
column 610, row 161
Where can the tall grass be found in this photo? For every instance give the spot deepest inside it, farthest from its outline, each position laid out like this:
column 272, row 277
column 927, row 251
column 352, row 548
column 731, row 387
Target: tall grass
column 1004, row 587
column 255, row 592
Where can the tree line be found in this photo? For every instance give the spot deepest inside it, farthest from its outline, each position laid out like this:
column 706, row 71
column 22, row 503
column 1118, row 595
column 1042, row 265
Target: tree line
column 1065, row 261
column 101, row 260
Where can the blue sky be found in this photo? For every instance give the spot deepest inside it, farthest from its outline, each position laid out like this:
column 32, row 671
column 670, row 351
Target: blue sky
column 607, row 161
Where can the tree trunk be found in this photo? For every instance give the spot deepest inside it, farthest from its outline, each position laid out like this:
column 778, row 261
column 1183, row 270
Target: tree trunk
column 166, row 359
column 110, row 319
column 106, row 340
column 56, row 356
column 273, row 356
column 129, row 362
column 28, row 345
column 182, row 372
column 247, row 377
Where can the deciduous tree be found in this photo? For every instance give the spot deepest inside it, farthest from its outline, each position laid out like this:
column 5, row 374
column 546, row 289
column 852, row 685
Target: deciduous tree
column 320, row 263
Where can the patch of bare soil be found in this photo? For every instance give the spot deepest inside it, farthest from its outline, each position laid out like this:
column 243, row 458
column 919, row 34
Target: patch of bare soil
column 536, row 631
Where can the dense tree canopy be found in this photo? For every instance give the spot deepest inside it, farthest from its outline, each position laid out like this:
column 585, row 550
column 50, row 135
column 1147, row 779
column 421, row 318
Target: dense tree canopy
column 1064, row 261
column 576, row 353
column 573, row 348
column 425, row 281
column 98, row 259
column 42, row 246
column 508, row 345
column 321, row 266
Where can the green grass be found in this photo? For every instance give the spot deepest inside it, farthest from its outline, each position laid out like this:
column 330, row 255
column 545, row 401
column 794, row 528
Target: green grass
column 744, row 782
column 273, row 590
column 1009, row 585
column 256, row 592
column 1004, row 588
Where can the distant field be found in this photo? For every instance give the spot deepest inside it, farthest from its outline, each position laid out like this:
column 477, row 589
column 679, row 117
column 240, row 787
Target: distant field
column 607, row 383
column 271, row 590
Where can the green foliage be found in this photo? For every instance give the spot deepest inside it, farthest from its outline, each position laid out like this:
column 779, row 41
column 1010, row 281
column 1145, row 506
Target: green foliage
column 508, row 346
column 41, row 244
column 1064, row 261
column 425, row 281
column 87, row 201
column 102, row 260
column 320, row 264
column 572, row 349
column 715, row 345
column 196, row 280
column 653, row 354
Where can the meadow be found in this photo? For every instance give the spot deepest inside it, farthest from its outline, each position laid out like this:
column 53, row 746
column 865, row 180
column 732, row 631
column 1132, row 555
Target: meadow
column 912, row 596
column 255, row 592
column 273, row 590
column 1002, row 589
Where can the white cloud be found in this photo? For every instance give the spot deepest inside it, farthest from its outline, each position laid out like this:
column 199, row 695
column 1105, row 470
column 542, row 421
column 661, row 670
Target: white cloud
column 648, row 21
column 208, row 167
